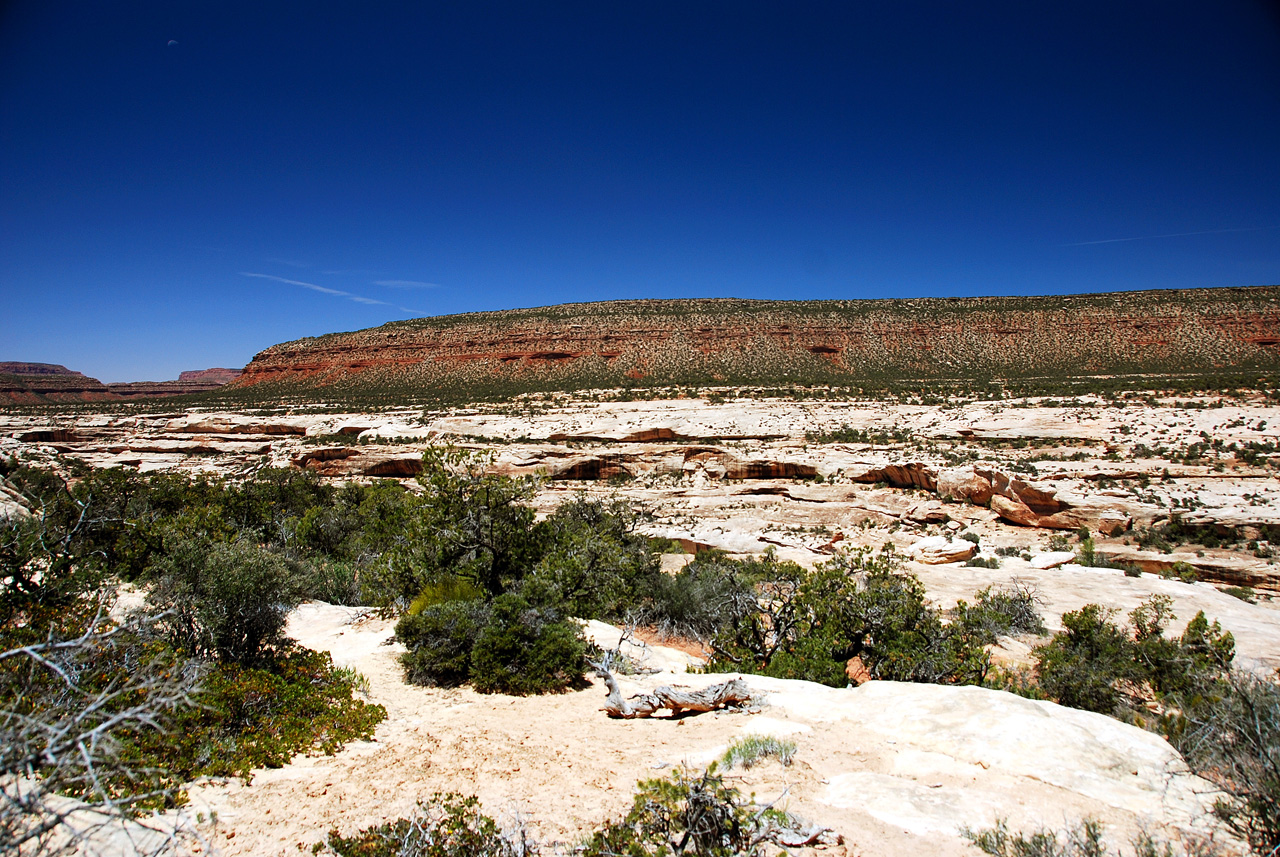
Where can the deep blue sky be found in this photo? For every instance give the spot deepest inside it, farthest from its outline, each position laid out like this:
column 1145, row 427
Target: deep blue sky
column 423, row 158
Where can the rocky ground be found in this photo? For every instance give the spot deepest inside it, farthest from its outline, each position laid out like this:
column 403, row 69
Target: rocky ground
column 892, row 768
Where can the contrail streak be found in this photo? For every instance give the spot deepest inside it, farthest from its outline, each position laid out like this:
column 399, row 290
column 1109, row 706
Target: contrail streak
column 1168, row 235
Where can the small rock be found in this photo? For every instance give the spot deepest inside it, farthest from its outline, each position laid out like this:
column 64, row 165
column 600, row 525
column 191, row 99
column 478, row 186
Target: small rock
column 1053, row 559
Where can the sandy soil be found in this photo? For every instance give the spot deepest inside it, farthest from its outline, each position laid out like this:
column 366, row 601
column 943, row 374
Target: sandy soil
column 894, row 771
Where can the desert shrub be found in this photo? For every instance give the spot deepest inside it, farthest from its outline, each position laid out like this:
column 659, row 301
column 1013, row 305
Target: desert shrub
column 595, row 564
column 750, row 750
column 1097, row 665
column 223, row 600
column 76, row 689
column 1080, row 840
column 1232, row 738
column 524, row 650
column 440, row 640
column 699, row 601
column 903, row 639
column 1244, row 593
column 332, row 581
column 688, row 814
column 1088, row 555
column 446, row 588
column 982, row 562
column 1083, row 666
column 1059, row 542
column 1002, row 610
column 446, row 825
column 470, row 524
column 260, row 716
column 272, row 501
column 112, row 713
column 809, row 624
column 692, row 814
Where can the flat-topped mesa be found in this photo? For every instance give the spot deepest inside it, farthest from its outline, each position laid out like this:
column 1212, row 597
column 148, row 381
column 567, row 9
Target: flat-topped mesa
column 30, row 383
column 729, row 341
column 216, row 376
column 43, row 383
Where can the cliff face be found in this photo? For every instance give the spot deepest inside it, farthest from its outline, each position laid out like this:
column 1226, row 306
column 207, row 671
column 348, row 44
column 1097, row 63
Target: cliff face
column 41, row 383
column 209, row 376
column 732, row 341
column 33, row 383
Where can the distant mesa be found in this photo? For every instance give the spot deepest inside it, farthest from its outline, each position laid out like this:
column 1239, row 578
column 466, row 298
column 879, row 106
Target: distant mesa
column 729, row 342
column 211, row 376
column 40, row 369
column 50, row 383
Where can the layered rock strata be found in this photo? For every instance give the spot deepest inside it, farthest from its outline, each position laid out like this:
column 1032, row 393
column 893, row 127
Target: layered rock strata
column 621, row 343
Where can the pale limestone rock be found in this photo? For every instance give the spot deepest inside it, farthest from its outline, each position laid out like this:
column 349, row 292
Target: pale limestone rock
column 239, row 424
column 12, row 504
column 939, row 730
column 1052, row 559
column 936, row 550
column 395, row 431
column 965, row 483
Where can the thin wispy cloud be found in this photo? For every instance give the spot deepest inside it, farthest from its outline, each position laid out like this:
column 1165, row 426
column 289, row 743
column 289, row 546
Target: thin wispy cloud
column 1167, row 235
column 324, row 290
column 406, row 284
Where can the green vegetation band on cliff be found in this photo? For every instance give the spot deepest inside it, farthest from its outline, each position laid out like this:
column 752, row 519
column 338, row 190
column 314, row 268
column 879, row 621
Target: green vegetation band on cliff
column 645, row 343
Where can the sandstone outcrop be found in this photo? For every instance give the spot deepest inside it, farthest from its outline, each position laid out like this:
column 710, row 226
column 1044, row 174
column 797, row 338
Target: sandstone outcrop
column 625, row 343
column 12, row 503
column 348, row 461
column 239, row 424
column 936, row 550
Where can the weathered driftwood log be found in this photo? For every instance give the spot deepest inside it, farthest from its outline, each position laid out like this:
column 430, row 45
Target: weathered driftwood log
column 733, row 692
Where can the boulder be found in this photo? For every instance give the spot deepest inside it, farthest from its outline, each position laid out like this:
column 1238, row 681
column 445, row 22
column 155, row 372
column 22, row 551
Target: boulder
column 1033, row 506
column 12, row 503
column 965, row 483
column 1052, row 559
column 936, row 550
column 396, row 431
column 931, row 512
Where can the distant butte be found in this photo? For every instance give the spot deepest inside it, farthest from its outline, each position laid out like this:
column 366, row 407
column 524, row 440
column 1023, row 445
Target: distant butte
column 44, row 383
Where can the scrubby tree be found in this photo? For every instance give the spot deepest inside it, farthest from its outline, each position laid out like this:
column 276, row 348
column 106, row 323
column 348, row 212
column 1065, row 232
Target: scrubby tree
column 223, row 600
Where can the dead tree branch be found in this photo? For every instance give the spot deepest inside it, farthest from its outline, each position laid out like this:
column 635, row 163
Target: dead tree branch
column 730, row 693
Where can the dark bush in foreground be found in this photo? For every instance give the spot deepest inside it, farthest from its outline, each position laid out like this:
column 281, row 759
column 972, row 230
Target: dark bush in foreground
column 999, row 611
column 699, row 601
column 1097, row 665
column 502, row 646
column 689, row 814
column 524, row 649
column 807, row 625
column 260, row 717
column 227, row 601
column 1232, row 738
column 440, row 641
